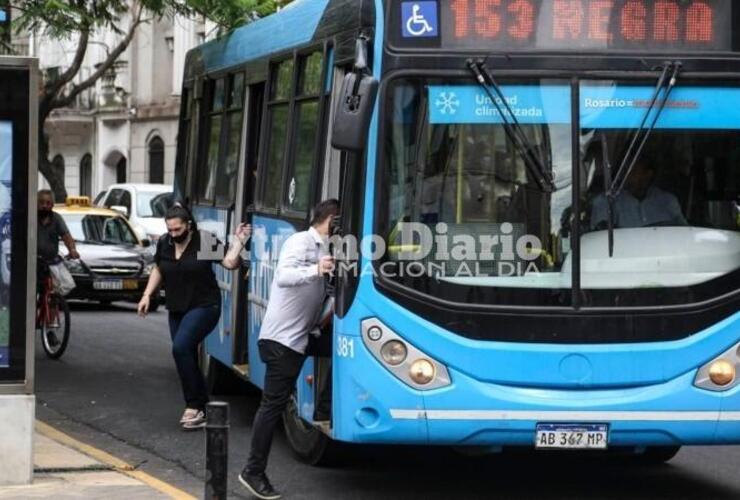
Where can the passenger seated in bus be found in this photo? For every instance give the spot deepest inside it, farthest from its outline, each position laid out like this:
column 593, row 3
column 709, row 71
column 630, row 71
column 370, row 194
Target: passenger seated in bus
column 640, row 204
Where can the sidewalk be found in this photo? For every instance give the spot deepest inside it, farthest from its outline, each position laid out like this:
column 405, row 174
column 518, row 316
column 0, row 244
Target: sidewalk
column 65, row 468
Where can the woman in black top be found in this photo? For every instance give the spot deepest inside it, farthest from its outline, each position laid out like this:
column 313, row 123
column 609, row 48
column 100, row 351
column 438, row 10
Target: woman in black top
column 184, row 266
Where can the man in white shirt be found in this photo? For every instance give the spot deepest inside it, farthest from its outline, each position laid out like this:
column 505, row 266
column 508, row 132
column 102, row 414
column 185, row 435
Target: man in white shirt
column 297, row 293
column 640, row 204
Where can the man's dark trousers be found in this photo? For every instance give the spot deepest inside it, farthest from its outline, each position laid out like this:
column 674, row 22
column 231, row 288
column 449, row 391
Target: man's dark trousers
column 283, row 365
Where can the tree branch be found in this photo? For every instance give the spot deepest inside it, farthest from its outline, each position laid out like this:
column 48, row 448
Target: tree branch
column 51, row 89
column 60, row 102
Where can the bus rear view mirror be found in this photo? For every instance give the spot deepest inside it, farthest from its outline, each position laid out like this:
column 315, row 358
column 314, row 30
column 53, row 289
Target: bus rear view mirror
column 354, row 112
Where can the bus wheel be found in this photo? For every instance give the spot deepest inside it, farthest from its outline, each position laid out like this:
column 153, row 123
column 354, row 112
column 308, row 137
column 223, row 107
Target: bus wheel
column 308, row 443
column 656, row 455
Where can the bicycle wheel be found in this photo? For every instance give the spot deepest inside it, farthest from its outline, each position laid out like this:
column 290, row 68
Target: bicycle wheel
column 55, row 327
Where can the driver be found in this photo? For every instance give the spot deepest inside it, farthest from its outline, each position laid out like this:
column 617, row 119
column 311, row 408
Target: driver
column 640, row 204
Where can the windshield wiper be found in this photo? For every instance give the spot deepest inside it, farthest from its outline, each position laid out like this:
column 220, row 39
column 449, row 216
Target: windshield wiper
column 615, row 186
column 607, row 168
column 513, row 129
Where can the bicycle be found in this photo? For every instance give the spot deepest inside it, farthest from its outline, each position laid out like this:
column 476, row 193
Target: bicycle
column 52, row 315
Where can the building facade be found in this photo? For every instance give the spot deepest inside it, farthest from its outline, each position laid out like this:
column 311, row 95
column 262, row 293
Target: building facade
column 124, row 128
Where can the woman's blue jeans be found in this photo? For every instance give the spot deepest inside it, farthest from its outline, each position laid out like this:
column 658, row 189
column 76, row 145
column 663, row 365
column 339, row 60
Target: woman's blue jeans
column 188, row 329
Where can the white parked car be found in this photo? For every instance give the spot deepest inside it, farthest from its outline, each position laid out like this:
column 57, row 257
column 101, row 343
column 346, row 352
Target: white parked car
column 143, row 204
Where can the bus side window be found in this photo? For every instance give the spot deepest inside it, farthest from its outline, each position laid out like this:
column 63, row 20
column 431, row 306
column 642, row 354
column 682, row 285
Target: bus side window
column 184, row 143
column 254, row 109
column 278, row 110
column 228, row 165
column 307, row 132
column 334, row 159
column 211, row 150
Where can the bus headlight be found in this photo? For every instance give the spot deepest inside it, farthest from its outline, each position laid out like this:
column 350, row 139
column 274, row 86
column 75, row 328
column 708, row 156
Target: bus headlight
column 393, row 352
column 720, row 374
column 422, row 371
column 408, row 363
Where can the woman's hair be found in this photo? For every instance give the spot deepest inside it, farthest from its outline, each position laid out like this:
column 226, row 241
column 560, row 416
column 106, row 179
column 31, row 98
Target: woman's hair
column 180, row 211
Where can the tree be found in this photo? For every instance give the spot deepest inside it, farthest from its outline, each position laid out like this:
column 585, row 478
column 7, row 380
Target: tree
column 79, row 20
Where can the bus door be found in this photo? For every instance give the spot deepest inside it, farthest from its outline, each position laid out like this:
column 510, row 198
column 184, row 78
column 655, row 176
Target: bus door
column 245, row 201
column 214, row 201
column 331, row 175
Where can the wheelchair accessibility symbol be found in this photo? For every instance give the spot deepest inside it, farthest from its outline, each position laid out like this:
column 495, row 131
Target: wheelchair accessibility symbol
column 419, row 19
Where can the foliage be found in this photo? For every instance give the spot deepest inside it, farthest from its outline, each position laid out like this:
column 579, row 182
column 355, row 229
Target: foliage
column 233, row 13
column 79, row 20
column 63, row 18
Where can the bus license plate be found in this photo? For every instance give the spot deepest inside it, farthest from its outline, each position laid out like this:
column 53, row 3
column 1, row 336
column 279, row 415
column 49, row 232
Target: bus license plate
column 108, row 285
column 572, row 436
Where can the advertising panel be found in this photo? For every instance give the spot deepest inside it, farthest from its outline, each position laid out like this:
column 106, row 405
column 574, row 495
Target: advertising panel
column 6, row 172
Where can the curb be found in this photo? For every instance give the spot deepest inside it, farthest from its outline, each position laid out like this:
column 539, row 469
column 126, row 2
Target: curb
column 114, row 463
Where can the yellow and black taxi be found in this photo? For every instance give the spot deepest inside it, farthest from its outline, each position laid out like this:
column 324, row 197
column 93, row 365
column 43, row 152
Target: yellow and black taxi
column 114, row 263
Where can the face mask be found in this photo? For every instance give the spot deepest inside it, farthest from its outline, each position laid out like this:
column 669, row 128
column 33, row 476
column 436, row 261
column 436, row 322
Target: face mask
column 181, row 237
column 44, row 213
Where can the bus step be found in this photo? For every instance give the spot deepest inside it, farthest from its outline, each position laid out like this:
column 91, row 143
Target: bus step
column 242, row 370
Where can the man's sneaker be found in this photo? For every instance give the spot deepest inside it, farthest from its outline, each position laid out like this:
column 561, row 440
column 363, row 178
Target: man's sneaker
column 258, row 485
column 195, row 423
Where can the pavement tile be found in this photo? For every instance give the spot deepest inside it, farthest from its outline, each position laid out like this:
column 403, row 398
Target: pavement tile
column 62, row 472
column 48, row 454
column 104, row 485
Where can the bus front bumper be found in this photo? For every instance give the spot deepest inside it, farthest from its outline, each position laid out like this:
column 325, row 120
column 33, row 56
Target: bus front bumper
column 376, row 407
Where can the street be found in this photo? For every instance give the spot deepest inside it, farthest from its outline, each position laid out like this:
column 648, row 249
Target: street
column 116, row 389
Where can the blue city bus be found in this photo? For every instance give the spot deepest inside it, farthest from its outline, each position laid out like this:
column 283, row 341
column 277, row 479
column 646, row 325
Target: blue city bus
column 556, row 190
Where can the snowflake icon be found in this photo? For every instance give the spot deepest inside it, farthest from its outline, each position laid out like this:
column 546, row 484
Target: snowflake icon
column 447, row 102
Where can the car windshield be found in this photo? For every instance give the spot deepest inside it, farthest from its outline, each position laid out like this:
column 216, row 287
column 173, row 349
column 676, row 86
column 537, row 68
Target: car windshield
column 465, row 221
column 100, row 229
column 153, row 203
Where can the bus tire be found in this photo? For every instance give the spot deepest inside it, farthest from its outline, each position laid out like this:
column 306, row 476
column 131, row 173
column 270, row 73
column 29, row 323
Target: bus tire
column 656, row 455
column 309, row 444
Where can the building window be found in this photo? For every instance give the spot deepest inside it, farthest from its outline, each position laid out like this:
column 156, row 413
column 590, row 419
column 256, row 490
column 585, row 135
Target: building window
column 156, row 161
column 86, row 175
column 121, row 171
column 58, row 165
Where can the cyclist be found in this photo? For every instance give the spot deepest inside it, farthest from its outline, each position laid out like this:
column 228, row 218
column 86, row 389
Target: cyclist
column 51, row 228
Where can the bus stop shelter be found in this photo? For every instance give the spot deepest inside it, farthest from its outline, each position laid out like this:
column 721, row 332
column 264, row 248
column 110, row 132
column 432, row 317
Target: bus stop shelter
column 18, row 181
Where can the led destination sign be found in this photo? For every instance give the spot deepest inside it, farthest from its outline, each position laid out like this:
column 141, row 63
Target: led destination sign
column 505, row 25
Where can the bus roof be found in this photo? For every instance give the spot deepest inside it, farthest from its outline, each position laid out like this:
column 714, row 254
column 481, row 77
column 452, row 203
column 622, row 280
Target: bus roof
column 294, row 25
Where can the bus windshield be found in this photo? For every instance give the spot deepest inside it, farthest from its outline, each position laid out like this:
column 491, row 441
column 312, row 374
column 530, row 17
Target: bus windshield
column 465, row 221
column 456, row 176
column 677, row 218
